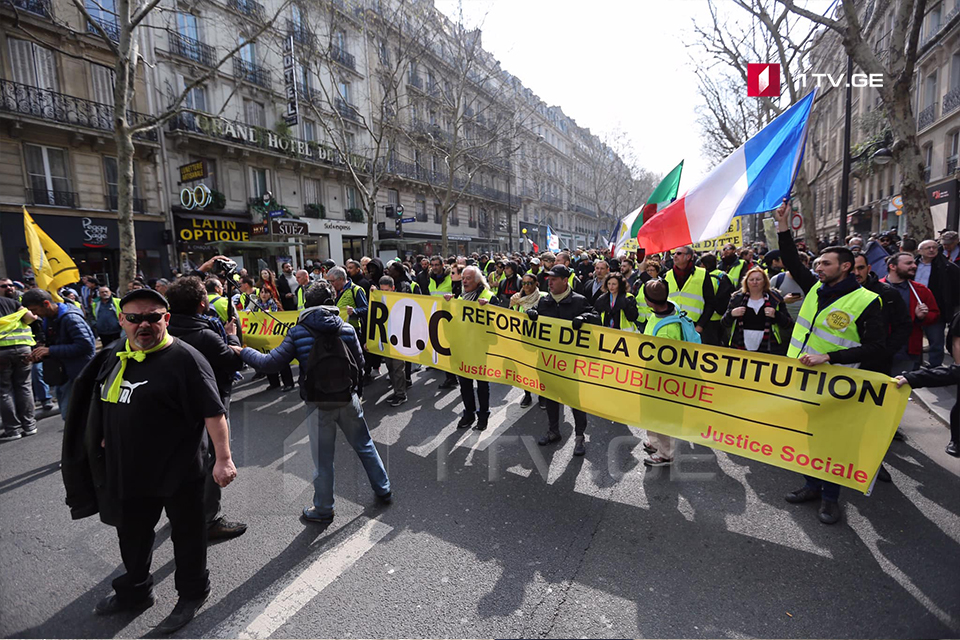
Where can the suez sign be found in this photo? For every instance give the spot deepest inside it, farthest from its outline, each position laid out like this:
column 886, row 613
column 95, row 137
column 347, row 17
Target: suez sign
column 763, row 80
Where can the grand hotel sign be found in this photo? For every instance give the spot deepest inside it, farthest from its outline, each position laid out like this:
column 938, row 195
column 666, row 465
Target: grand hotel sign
column 272, row 141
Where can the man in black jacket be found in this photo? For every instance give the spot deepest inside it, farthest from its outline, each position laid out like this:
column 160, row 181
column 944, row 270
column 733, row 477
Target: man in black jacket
column 593, row 287
column 188, row 322
column 896, row 316
column 510, row 283
column 287, row 287
column 942, row 277
column 564, row 303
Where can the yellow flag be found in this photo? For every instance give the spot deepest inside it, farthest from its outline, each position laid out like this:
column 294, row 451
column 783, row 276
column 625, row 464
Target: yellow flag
column 52, row 267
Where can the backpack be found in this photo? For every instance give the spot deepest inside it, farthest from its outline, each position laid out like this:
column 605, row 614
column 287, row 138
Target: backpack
column 687, row 327
column 330, row 373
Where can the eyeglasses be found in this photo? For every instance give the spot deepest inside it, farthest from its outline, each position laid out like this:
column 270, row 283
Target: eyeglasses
column 137, row 318
column 527, row 283
column 6, row 286
column 679, row 253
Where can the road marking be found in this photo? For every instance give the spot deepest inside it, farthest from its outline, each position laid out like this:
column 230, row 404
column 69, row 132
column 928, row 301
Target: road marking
column 264, row 615
column 269, row 404
column 296, row 407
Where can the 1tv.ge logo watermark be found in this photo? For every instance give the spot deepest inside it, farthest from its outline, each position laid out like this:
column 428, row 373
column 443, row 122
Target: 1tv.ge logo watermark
column 763, row 80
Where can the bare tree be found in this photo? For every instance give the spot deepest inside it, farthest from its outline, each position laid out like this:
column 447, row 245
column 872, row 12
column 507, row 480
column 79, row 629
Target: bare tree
column 896, row 64
column 124, row 42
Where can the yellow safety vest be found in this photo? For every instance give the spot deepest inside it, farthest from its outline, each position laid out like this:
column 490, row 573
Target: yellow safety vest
column 245, row 298
column 625, row 325
column 301, row 304
column 345, row 300
column 443, row 288
column 495, row 279
column 832, row 329
column 672, row 331
column 116, row 307
column 690, row 297
column 219, row 304
column 736, row 273
column 716, row 274
column 14, row 332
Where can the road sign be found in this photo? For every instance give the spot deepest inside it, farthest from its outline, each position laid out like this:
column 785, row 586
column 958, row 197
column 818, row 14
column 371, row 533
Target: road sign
column 408, row 220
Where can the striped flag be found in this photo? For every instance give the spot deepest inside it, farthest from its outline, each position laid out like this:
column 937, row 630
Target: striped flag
column 753, row 179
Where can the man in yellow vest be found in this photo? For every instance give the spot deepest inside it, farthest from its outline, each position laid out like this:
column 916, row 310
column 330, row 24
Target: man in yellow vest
column 840, row 322
column 691, row 290
column 349, row 297
column 731, row 263
column 16, row 387
column 106, row 316
column 303, row 280
column 217, row 301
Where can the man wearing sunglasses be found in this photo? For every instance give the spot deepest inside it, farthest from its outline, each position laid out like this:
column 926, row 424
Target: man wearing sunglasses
column 70, row 343
column 149, row 399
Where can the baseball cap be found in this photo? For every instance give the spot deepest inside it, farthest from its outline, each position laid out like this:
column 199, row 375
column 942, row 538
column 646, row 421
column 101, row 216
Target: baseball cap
column 559, row 271
column 534, row 260
column 145, row 294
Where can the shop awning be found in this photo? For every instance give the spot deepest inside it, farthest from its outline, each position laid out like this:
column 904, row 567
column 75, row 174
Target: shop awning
column 253, row 244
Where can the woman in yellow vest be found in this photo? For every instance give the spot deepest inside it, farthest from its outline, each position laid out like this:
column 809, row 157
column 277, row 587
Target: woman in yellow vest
column 757, row 316
column 527, row 298
column 617, row 307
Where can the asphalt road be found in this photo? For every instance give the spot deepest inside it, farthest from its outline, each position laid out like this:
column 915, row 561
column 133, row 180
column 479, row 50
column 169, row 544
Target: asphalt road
column 488, row 539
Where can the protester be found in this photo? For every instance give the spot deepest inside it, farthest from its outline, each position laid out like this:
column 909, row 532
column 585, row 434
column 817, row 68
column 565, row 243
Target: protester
column 355, row 270
column 851, row 333
column 188, row 322
column 950, row 240
column 528, row 298
column 70, row 343
column 787, row 287
column 732, row 265
column 268, row 280
column 219, row 305
column 942, row 278
column 566, row 304
column 474, row 289
column 146, row 401
column 691, row 291
column 287, row 286
column 509, row 284
column 758, row 316
column 303, row 282
column 106, row 315
column 895, row 313
column 395, row 368
column 16, row 388
column 321, row 321
column 350, row 297
column 616, row 307
column 593, row 288
column 901, row 271
column 241, row 299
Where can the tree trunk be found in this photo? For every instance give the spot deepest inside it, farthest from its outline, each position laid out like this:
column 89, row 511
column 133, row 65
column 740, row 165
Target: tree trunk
column 806, row 207
column 906, row 153
column 444, row 243
column 123, row 92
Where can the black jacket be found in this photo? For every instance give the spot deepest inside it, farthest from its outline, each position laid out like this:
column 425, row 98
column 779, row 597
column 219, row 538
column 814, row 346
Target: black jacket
column 283, row 288
column 945, row 285
column 870, row 324
column 610, row 317
column 196, row 331
column 423, row 281
column 567, row 309
column 83, row 463
column 587, row 291
column 896, row 317
column 506, row 288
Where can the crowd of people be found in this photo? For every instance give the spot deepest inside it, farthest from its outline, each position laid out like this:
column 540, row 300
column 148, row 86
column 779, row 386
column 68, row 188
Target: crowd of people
column 137, row 442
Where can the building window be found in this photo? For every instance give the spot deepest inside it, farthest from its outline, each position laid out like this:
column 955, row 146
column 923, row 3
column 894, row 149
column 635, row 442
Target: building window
column 933, row 20
column 455, row 216
column 47, row 173
column 259, row 182
column 421, row 206
column 350, row 197
column 471, row 219
column 437, row 217
column 254, row 113
column 33, row 65
column 112, row 174
column 188, row 26
column 103, row 79
column 308, row 130
column 344, row 88
column 930, row 90
column 393, row 197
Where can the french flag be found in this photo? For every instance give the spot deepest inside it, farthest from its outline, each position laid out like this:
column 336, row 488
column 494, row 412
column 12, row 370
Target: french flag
column 753, row 179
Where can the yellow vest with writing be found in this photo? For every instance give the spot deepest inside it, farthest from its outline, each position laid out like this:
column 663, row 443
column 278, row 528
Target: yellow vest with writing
column 832, row 329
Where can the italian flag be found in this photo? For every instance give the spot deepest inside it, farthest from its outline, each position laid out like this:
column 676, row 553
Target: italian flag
column 753, row 179
column 664, row 194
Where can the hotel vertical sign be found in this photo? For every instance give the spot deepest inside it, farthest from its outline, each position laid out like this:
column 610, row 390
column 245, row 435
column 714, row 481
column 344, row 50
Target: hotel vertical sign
column 292, row 117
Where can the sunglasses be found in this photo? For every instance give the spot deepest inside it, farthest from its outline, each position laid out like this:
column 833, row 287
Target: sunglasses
column 527, row 283
column 6, row 286
column 137, row 318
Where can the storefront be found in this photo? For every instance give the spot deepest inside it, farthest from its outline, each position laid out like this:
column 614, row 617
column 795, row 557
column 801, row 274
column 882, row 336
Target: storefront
column 337, row 240
column 92, row 242
column 198, row 234
column 943, row 204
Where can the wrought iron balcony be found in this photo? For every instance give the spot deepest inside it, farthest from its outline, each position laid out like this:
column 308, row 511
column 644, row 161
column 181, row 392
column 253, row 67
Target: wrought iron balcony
column 39, row 7
column 181, row 45
column 951, row 101
column 926, row 117
column 339, row 55
column 584, row 210
column 53, row 198
column 112, row 203
column 57, row 107
column 251, row 72
column 301, row 35
column 109, row 25
column 249, row 8
column 347, row 110
column 552, row 200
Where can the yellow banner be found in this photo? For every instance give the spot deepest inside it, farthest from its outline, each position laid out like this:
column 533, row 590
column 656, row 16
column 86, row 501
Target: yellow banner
column 52, row 267
column 830, row 422
column 265, row 331
column 734, row 236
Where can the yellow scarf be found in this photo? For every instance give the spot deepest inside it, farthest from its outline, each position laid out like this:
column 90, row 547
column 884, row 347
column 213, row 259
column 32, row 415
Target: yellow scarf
column 113, row 394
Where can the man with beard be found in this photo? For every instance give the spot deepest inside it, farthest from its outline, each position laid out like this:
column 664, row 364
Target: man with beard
column 901, row 271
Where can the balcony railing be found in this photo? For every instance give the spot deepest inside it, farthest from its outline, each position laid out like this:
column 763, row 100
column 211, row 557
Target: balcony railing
column 346, row 59
column 552, row 200
column 109, row 25
column 52, row 198
column 57, row 107
column 249, row 8
column 251, row 72
column 584, row 210
column 301, row 35
column 112, row 203
column 181, row 45
column 951, row 101
column 347, row 110
column 39, row 7
column 926, row 117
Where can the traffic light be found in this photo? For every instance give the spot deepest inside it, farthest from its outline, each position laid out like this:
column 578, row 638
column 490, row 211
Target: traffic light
column 399, row 223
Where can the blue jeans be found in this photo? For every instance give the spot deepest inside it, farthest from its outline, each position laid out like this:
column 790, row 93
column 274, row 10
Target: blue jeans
column 63, row 392
column 323, row 440
column 41, row 391
column 936, row 337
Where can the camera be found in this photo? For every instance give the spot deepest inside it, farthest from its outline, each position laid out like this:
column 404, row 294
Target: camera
column 224, row 267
